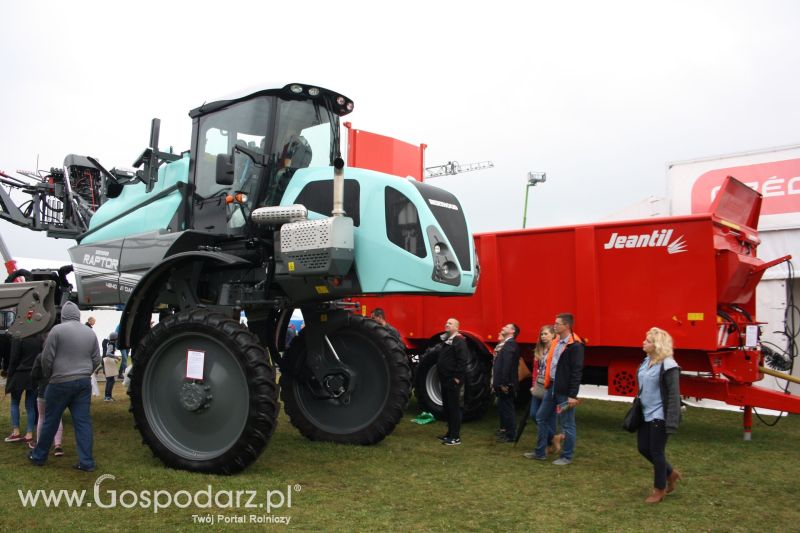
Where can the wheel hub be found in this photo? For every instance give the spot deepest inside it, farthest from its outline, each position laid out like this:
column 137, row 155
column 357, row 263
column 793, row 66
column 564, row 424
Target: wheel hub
column 194, row 396
column 336, row 384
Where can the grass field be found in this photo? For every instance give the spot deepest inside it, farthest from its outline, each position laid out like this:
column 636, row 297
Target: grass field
column 409, row 482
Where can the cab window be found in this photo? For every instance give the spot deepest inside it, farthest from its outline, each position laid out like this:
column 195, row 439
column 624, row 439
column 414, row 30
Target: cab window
column 402, row 223
column 245, row 124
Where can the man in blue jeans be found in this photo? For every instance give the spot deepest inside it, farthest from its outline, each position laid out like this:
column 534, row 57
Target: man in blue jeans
column 70, row 355
column 563, row 372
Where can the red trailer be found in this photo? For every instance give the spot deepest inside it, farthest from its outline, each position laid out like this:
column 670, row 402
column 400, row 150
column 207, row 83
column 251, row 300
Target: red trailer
column 694, row 276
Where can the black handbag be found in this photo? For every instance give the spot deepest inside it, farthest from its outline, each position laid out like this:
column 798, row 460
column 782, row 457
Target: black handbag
column 634, row 417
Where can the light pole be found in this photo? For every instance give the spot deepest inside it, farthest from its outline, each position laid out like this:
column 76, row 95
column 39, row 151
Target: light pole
column 533, row 179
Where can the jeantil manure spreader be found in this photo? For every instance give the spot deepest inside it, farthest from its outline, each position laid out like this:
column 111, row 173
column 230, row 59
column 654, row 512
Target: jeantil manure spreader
column 694, row 276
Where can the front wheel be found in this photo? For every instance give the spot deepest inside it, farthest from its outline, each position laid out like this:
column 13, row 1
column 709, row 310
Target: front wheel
column 219, row 424
column 372, row 408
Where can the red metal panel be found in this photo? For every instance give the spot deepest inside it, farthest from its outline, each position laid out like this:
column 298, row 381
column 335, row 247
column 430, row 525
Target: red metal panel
column 384, row 154
column 658, row 272
column 735, row 203
column 587, row 285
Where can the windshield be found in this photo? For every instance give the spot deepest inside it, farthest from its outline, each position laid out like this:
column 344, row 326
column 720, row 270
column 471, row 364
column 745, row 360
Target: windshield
column 263, row 163
column 306, row 137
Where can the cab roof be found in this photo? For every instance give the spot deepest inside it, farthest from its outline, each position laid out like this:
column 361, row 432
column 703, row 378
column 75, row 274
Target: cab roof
column 339, row 104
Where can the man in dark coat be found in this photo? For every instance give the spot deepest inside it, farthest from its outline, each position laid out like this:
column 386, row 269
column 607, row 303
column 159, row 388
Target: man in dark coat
column 505, row 380
column 452, row 369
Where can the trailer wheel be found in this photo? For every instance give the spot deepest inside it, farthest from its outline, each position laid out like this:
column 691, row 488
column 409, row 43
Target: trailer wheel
column 219, row 425
column 476, row 391
column 374, row 406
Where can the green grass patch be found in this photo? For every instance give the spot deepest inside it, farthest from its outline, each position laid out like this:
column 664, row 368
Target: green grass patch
column 410, row 482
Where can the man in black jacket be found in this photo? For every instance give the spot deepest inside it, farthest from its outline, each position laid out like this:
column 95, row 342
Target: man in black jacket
column 563, row 373
column 452, row 367
column 505, row 380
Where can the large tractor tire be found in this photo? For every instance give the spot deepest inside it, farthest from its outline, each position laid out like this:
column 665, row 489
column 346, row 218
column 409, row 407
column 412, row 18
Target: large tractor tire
column 377, row 402
column 219, row 425
column 476, row 391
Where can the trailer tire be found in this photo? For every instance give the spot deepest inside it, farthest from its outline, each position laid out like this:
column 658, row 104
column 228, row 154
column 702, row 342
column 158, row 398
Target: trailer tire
column 376, row 405
column 219, row 425
column 476, row 391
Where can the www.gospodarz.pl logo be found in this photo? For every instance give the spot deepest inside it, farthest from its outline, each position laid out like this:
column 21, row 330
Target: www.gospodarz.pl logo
column 158, row 499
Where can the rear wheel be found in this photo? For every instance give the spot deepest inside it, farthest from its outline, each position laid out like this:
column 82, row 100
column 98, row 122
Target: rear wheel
column 220, row 424
column 476, row 391
column 379, row 394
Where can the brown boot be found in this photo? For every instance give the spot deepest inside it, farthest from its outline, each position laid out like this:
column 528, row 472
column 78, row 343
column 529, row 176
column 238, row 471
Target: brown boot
column 672, row 480
column 657, row 496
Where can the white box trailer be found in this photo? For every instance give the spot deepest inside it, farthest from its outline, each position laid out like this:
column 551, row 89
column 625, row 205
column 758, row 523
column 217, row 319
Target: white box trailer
column 775, row 173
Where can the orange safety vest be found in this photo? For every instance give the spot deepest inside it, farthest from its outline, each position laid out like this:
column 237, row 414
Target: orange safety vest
column 572, row 338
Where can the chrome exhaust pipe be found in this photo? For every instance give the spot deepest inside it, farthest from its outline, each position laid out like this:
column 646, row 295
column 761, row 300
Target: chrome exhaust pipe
column 338, row 188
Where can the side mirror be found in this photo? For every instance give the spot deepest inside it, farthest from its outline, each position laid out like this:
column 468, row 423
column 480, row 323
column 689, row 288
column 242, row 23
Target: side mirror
column 224, row 175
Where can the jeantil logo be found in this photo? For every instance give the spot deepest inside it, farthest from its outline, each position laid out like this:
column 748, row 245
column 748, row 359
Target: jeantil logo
column 656, row 239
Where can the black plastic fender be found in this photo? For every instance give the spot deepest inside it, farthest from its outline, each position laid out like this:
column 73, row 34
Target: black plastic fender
column 133, row 315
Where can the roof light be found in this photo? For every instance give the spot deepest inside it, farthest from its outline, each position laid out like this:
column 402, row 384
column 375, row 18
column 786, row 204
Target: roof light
column 313, row 91
column 349, row 106
column 340, row 100
column 296, row 89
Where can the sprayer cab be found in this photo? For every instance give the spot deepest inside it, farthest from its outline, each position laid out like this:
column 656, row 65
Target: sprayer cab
column 246, row 150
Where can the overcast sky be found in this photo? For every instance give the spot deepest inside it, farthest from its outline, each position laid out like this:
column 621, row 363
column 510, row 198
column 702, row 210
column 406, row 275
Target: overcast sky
column 600, row 95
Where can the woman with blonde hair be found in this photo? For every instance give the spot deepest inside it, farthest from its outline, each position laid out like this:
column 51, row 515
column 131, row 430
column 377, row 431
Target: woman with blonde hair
column 546, row 336
column 660, row 396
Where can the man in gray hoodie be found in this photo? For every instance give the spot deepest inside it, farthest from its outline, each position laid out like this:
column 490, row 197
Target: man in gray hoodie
column 70, row 355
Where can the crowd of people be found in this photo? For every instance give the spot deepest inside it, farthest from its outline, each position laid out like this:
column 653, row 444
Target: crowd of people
column 555, row 383
column 55, row 372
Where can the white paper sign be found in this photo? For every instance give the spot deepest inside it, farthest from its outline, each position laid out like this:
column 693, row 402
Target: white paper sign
column 751, row 336
column 194, row 364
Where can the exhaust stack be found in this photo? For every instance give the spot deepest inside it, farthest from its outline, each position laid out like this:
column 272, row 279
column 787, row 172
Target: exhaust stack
column 338, row 188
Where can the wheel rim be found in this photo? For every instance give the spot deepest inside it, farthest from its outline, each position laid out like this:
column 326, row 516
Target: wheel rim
column 433, row 386
column 367, row 399
column 207, row 432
